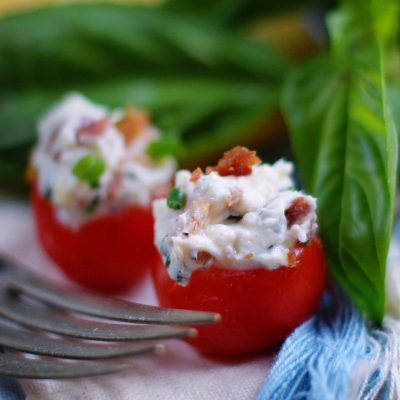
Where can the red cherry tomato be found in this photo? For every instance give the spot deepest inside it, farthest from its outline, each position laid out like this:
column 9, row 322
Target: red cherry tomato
column 109, row 253
column 259, row 307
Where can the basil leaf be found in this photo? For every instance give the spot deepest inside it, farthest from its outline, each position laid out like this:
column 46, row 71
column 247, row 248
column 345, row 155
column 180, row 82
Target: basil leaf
column 89, row 168
column 344, row 138
column 69, row 44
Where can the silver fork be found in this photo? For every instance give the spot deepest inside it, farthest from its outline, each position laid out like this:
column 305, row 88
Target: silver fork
column 41, row 319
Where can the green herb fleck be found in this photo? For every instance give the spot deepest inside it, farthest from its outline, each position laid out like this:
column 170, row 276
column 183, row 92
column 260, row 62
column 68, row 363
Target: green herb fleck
column 165, row 253
column 176, row 198
column 48, row 193
column 179, row 277
column 92, row 205
column 95, row 185
column 234, row 218
column 89, row 168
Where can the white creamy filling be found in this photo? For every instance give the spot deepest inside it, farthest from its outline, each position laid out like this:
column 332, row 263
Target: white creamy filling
column 239, row 221
column 126, row 180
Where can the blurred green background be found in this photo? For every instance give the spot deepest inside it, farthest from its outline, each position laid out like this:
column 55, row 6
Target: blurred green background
column 210, row 72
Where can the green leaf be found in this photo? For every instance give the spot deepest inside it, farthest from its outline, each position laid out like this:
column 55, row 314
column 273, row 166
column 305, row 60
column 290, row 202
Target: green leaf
column 176, row 198
column 236, row 12
column 89, row 168
column 209, row 87
column 343, row 134
column 70, row 44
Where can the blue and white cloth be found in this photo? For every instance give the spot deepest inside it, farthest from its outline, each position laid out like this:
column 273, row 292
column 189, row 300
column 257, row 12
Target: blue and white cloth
column 336, row 355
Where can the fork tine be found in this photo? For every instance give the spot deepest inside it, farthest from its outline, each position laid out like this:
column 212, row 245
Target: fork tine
column 62, row 324
column 11, row 365
column 30, row 342
column 101, row 307
column 48, row 320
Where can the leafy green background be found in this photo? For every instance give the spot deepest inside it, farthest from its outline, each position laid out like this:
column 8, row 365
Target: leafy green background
column 206, row 87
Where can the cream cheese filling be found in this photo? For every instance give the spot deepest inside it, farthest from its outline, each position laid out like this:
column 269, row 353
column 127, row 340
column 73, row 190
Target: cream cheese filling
column 127, row 180
column 234, row 221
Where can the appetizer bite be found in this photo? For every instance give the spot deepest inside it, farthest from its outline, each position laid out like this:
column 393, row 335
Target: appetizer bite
column 239, row 240
column 92, row 187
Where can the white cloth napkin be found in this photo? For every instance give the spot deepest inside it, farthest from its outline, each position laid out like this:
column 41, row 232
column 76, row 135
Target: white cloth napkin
column 180, row 373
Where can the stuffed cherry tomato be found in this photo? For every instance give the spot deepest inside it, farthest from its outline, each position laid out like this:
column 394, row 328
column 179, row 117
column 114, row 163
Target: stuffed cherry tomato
column 238, row 240
column 93, row 183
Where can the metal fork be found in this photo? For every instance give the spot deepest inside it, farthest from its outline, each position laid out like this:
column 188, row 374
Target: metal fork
column 41, row 319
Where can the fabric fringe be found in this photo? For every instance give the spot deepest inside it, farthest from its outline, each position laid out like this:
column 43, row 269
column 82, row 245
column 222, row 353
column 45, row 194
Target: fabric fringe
column 380, row 377
column 318, row 358
column 334, row 355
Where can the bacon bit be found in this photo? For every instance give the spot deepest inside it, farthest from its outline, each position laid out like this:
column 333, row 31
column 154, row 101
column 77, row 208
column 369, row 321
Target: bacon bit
column 237, row 161
column 133, row 123
column 299, row 208
column 234, row 197
column 197, row 214
column 291, row 257
column 90, row 129
column 203, row 257
column 196, row 174
column 248, row 256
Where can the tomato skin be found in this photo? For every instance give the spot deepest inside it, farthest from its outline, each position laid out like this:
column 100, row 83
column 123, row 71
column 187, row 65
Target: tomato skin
column 108, row 254
column 259, row 307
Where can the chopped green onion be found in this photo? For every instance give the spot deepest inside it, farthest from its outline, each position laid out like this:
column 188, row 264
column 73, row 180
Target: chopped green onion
column 176, row 198
column 167, row 145
column 89, row 168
